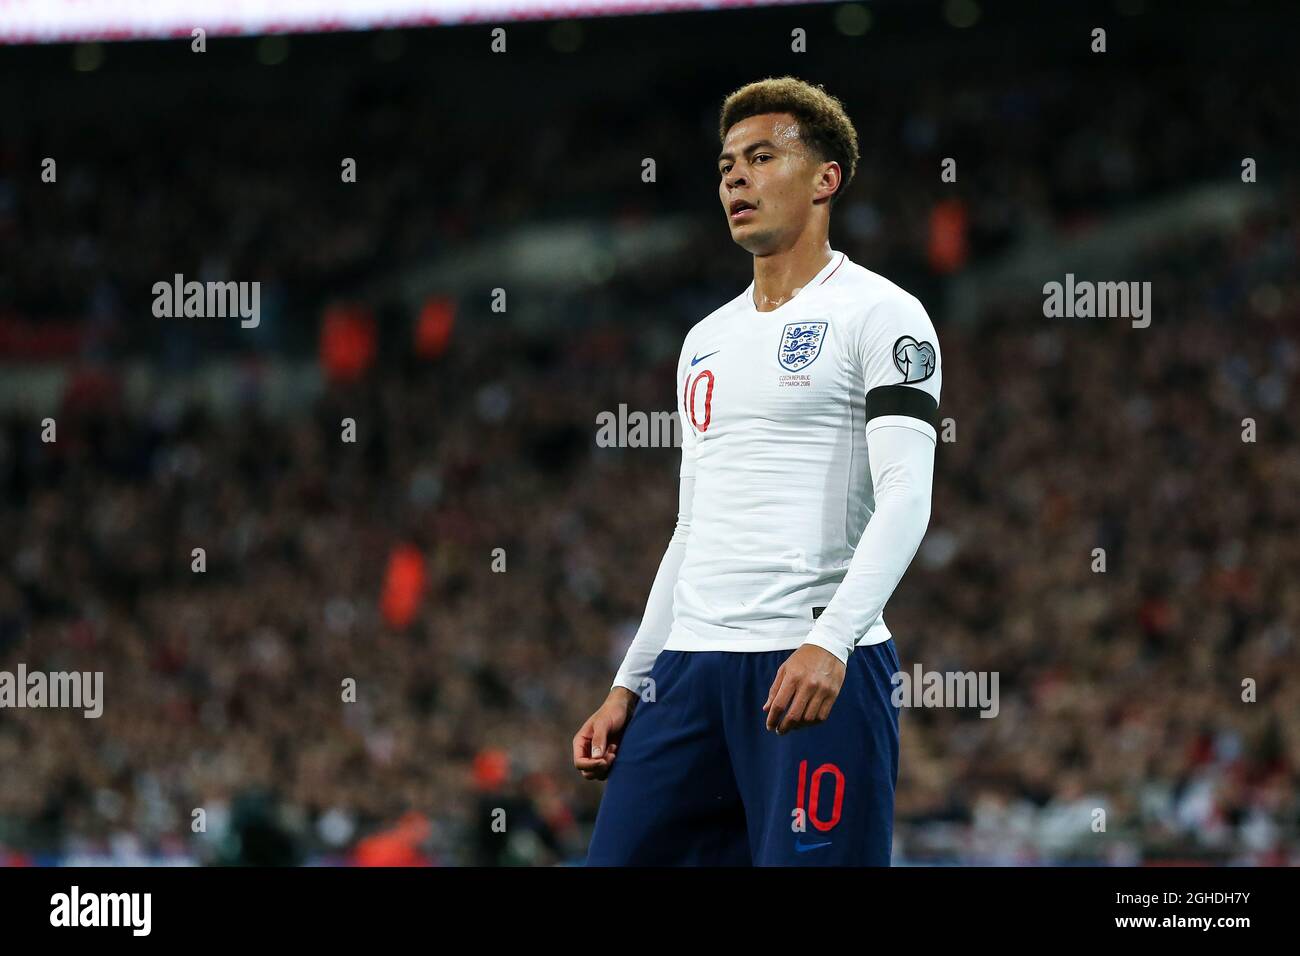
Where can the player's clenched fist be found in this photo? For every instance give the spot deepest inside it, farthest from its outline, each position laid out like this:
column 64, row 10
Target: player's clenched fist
column 804, row 689
column 596, row 744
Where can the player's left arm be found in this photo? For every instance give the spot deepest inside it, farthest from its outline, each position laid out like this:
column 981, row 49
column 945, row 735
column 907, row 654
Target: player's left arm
column 900, row 358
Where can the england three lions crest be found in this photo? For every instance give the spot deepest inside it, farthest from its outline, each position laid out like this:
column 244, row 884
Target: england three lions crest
column 801, row 343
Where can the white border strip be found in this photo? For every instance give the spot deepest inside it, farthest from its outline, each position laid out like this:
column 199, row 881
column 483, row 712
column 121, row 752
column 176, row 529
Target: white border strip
column 48, row 21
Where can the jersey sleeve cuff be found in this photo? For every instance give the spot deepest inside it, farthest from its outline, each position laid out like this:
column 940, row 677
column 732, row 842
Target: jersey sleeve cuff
column 828, row 643
column 631, row 683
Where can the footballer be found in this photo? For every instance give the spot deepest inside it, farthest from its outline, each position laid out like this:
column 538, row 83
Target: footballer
column 751, row 722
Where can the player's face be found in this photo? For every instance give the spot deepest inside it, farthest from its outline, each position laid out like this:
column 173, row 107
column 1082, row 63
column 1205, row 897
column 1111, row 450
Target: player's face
column 764, row 164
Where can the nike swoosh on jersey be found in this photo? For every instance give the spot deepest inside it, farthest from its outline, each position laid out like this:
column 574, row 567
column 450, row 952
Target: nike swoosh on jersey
column 700, row 358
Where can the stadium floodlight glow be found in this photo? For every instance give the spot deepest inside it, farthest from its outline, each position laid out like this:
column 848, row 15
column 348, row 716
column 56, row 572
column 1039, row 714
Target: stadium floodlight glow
column 50, row 21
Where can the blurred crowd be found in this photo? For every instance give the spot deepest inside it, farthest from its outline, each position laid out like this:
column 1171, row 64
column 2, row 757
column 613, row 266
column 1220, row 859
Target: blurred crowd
column 1120, row 690
column 1040, row 150
column 272, row 708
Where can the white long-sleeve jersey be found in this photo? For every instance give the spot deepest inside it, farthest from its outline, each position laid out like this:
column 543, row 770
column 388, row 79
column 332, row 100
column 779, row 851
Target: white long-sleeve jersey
column 807, row 459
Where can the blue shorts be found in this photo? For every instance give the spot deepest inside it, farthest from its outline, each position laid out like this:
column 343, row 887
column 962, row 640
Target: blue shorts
column 700, row 780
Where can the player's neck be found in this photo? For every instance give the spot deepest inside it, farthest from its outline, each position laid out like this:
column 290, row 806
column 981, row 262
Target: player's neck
column 780, row 276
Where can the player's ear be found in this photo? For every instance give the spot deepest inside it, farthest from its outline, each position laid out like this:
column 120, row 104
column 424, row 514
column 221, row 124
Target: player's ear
column 828, row 179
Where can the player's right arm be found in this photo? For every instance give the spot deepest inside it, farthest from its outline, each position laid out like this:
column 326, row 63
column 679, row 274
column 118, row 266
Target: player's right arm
column 596, row 744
